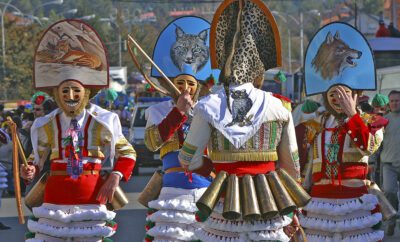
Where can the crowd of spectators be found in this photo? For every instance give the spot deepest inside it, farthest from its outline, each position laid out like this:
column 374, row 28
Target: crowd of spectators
column 23, row 116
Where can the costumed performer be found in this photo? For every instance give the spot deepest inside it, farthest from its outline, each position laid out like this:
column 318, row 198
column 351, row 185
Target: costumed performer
column 338, row 63
column 249, row 133
column 71, row 65
column 182, row 52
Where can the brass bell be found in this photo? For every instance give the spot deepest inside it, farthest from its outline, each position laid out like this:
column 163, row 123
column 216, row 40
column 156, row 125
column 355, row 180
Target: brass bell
column 152, row 189
column 119, row 200
column 282, row 198
column 249, row 202
column 295, row 190
column 232, row 199
column 265, row 197
column 210, row 197
column 35, row 196
column 387, row 209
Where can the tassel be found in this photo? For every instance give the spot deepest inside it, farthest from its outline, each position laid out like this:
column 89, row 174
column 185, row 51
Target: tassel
column 189, row 174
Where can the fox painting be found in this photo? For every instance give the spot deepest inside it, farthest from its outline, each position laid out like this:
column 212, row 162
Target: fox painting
column 333, row 56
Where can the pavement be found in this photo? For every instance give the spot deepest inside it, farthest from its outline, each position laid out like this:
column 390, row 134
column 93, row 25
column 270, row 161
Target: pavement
column 130, row 219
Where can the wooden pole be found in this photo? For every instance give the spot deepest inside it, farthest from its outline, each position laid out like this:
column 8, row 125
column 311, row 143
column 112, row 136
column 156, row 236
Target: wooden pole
column 17, row 185
column 155, row 65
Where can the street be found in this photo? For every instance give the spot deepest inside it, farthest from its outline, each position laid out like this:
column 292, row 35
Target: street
column 131, row 219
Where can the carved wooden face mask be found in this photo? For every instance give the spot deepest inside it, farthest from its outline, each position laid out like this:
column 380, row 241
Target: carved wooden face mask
column 72, row 97
column 183, row 82
column 333, row 98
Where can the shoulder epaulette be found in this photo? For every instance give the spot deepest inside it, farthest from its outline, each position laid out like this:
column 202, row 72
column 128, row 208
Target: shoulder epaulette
column 374, row 120
column 287, row 103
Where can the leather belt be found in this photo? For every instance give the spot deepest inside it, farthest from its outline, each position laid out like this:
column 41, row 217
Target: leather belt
column 64, row 173
column 180, row 169
column 174, row 169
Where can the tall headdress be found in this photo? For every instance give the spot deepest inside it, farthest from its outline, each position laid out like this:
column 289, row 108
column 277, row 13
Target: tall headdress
column 339, row 55
column 244, row 42
column 70, row 50
column 182, row 48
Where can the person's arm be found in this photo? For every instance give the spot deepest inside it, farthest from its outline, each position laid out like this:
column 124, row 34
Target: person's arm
column 125, row 161
column 196, row 141
column 156, row 135
column 367, row 138
column 288, row 154
column 125, row 155
column 38, row 155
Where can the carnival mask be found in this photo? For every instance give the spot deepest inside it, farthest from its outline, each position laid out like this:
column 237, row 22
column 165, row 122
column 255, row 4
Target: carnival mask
column 183, row 82
column 333, row 98
column 71, row 97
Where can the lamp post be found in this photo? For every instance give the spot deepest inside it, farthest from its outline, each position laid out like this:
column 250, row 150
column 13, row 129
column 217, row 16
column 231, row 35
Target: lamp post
column 283, row 87
column 301, row 25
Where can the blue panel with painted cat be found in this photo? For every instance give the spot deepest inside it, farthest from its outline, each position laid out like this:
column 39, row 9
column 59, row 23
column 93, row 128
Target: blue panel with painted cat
column 183, row 48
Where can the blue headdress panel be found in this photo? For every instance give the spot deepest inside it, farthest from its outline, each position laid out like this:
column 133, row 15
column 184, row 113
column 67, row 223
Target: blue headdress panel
column 183, row 49
column 339, row 54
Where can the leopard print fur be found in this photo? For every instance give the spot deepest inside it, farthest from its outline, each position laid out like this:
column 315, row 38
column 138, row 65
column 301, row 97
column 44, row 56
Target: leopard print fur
column 255, row 51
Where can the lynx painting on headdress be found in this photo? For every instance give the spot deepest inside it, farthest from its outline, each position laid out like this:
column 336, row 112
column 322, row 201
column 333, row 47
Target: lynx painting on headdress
column 333, row 56
column 190, row 49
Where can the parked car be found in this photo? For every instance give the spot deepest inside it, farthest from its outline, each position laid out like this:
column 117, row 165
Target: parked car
column 145, row 158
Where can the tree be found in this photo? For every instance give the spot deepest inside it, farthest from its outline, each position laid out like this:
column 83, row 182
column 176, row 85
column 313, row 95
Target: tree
column 20, row 48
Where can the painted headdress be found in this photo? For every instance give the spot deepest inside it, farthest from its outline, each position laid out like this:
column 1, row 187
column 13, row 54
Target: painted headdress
column 182, row 48
column 70, row 50
column 244, row 42
column 339, row 54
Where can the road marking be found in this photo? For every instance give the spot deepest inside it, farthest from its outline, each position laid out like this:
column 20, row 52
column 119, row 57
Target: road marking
column 9, row 207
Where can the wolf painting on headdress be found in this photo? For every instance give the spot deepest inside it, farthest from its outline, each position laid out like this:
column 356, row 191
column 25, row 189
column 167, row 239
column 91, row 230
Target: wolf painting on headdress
column 190, row 49
column 333, row 56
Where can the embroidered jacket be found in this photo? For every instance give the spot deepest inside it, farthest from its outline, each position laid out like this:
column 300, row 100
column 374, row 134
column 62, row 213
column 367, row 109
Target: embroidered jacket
column 269, row 138
column 100, row 129
column 164, row 128
column 357, row 138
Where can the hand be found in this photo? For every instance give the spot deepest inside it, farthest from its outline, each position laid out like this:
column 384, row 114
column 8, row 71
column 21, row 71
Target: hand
column 185, row 167
column 28, row 172
column 184, row 102
column 292, row 228
column 107, row 190
column 347, row 102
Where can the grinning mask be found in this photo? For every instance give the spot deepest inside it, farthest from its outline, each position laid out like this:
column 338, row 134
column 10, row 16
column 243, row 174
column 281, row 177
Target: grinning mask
column 71, row 97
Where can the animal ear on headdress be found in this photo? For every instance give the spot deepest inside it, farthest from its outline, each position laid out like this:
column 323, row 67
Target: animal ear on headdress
column 337, row 35
column 329, row 38
column 203, row 35
column 244, row 38
column 179, row 32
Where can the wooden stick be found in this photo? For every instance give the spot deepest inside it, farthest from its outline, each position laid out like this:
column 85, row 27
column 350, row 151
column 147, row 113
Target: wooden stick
column 136, row 63
column 21, row 152
column 17, row 185
column 155, row 65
